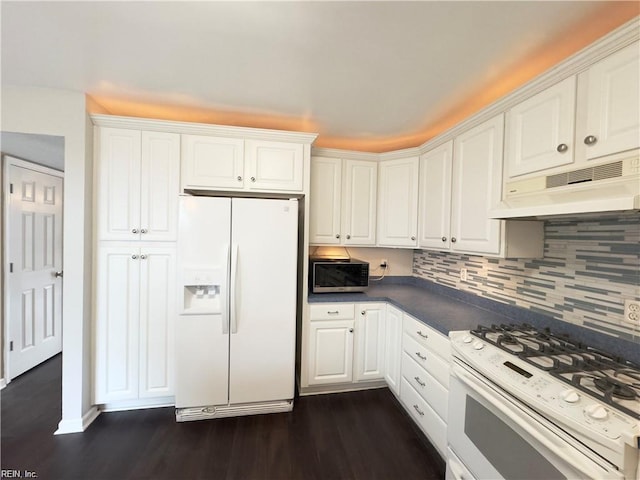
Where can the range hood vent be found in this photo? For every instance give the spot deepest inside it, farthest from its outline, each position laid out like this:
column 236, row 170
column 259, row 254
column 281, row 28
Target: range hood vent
column 592, row 174
column 613, row 186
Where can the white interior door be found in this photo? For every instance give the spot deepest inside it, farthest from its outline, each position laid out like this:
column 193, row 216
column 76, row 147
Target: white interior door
column 263, row 300
column 34, row 234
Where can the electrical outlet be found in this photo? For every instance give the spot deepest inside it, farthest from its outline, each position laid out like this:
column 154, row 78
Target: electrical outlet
column 632, row 311
column 384, row 263
column 463, row 274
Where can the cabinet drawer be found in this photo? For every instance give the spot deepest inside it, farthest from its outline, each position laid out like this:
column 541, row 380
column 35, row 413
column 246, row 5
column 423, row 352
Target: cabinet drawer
column 427, row 336
column 423, row 383
column 427, row 359
column 424, row 416
column 332, row 311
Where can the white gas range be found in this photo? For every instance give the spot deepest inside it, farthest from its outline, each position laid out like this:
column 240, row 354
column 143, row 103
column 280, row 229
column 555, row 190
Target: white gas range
column 528, row 404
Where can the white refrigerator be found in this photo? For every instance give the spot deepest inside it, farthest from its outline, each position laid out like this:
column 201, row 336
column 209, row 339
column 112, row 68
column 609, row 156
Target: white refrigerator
column 235, row 335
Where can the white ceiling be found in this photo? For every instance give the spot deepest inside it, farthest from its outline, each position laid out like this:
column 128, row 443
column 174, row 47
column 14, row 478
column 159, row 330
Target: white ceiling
column 352, row 69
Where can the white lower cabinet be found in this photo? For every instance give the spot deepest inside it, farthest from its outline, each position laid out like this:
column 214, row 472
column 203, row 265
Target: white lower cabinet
column 425, row 379
column 393, row 348
column 369, row 352
column 134, row 322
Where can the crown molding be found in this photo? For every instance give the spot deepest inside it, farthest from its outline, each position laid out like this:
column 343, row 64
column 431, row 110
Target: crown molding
column 344, row 154
column 201, row 129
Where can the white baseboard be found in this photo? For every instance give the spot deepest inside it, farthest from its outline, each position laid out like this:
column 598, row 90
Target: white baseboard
column 77, row 425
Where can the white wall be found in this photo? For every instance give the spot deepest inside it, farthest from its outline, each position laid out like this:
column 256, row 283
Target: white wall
column 63, row 113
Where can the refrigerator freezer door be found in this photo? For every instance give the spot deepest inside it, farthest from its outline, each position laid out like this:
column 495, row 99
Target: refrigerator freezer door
column 202, row 341
column 262, row 351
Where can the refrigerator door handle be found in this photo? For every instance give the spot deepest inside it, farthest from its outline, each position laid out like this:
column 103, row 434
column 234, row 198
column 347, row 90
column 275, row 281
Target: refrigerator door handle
column 233, row 289
column 224, row 292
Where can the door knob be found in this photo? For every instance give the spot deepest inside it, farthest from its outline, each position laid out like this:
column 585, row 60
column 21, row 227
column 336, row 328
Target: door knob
column 58, row 274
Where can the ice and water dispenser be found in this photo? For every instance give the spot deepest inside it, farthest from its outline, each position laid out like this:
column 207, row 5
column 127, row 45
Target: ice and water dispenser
column 202, row 291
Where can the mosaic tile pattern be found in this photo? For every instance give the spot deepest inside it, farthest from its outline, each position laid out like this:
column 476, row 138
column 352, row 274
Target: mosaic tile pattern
column 588, row 270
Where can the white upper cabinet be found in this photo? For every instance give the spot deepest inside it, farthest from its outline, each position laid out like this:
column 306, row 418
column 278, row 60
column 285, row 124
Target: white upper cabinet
column 613, row 104
column 540, row 130
column 343, row 201
column 435, row 197
column 398, row 203
column 273, row 165
column 212, row 162
column 137, row 177
column 217, row 163
column 477, row 187
column 325, row 200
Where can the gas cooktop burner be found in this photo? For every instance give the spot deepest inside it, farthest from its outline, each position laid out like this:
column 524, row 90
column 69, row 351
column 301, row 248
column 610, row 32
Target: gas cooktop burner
column 611, row 379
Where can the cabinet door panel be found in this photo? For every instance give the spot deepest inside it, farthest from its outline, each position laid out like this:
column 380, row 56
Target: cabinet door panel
column 118, row 181
column 325, row 200
column 398, row 203
column 369, row 338
column 435, row 197
column 157, row 318
column 538, row 126
column 160, row 173
column 613, row 103
column 477, row 187
column 212, row 162
column 116, row 324
column 274, row 165
column 359, row 202
column 393, row 348
column 331, row 352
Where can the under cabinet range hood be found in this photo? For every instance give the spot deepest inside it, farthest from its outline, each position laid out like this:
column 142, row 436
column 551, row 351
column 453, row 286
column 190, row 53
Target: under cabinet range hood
column 609, row 187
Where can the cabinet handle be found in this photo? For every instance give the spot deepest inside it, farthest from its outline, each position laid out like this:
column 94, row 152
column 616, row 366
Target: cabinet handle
column 423, row 335
column 420, row 356
column 143, row 257
column 590, row 140
column 453, row 240
column 444, row 239
column 333, row 312
column 144, row 230
column 563, row 147
column 420, row 412
column 363, row 312
column 417, row 379
column 413, row 237
column 348, row 236
column 337, row 235
column 239, row 177
column 351, row 330
column 253, row 179
column 134, row 256
column 135, row 230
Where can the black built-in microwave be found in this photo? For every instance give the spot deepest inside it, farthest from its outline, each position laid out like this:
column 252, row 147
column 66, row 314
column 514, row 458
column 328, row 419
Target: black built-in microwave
column 328, row 275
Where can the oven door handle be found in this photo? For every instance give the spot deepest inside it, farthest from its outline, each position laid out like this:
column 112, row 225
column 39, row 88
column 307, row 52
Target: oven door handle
column 553, row 443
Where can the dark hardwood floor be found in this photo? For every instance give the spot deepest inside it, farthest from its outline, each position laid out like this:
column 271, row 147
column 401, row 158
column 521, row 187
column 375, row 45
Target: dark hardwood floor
column 361, row 435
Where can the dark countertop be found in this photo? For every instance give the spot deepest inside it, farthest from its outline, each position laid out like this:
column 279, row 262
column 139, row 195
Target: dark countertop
column 447, row 309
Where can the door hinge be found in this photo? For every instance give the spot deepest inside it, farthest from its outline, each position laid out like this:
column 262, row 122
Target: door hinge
column 11, row 188
column 11, row 267
column 11, row 346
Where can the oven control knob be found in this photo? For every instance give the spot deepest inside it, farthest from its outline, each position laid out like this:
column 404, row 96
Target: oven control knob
column 467, row 339
column 570, row 396
column 478, row 345
column 596, row 411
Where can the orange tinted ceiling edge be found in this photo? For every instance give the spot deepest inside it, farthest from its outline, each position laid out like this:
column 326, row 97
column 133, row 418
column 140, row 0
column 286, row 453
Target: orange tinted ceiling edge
column 602, row 21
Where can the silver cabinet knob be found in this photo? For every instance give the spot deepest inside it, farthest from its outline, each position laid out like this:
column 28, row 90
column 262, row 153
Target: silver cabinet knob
column 363, row 312
column 337, row 235
column 348, row 236
column 253, row 179
column 144, row 230
column 453, row 239
column 239, row 178
column 562, row 148
column 413, row 237
column 143, row 257
column 58, row 274
column 134, row 256
column 135, row 230
column 444, row 239
column 351, row 330
column 590, row 140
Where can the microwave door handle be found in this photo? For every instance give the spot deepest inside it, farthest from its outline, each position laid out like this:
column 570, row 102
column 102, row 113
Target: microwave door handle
column 552, row 442
column 224, row 291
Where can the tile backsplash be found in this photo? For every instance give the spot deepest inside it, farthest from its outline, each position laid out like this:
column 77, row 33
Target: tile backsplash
column 589, row 268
